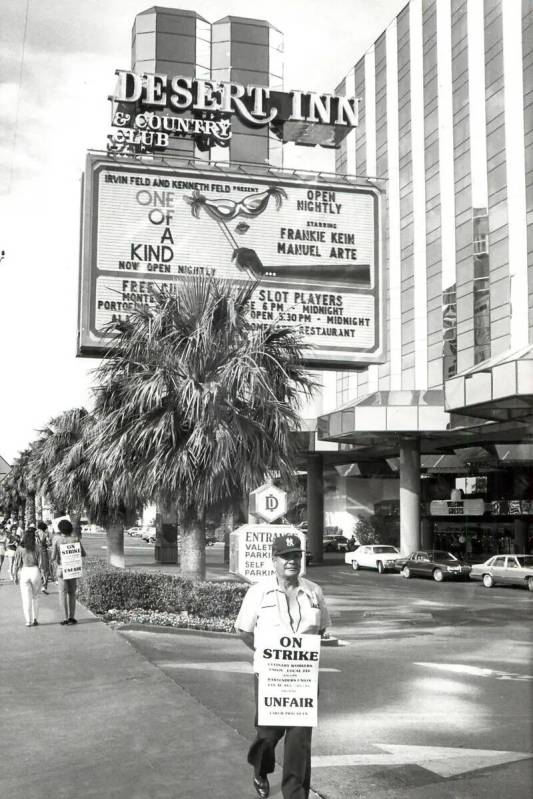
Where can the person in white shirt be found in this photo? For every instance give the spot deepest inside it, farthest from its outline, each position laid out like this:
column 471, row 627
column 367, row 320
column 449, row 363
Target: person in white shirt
column 26, row 572
column 289, row 604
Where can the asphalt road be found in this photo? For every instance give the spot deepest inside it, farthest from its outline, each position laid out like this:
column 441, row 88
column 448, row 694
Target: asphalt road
column 429, row 694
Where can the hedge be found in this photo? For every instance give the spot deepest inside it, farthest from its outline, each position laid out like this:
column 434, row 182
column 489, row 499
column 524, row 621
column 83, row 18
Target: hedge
column 103, row 588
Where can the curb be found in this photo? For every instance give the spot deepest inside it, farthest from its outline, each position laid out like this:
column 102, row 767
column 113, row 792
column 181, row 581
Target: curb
column 161, row 628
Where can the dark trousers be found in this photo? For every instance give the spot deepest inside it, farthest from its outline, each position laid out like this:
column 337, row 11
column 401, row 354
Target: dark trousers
column 296, row 776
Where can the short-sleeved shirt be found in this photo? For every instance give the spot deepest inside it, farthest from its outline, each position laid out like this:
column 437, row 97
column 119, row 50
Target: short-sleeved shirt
column 26, row 557
column 265, row 609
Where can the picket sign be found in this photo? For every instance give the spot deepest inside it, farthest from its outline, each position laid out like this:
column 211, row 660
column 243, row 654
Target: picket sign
column 71, row 560
column 288, row 679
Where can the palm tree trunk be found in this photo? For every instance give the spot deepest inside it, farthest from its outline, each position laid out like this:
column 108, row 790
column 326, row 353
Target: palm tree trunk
column 75, row 518
column 193, row 546
column 115, row 543
column 29, row 511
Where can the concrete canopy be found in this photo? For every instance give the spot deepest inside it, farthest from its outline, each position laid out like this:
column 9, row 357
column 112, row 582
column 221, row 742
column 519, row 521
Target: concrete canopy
column 500, row 388
column 372, row 427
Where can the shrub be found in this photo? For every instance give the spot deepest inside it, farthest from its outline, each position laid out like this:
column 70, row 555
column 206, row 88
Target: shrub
column 103, row 589
column 378, row 530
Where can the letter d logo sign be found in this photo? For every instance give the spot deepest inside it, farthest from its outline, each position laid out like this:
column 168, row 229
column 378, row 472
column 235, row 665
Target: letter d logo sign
column 271, row 503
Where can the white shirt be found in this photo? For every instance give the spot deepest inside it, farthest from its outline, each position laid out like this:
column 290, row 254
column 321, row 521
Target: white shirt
column 265, row 609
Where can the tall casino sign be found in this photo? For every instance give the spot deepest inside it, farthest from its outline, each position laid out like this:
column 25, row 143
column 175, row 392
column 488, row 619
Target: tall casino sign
column 310, row 243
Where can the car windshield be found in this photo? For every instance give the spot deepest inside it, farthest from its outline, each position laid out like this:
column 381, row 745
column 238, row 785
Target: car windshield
column 385, row 549
column 440, row 554
column 525, row 560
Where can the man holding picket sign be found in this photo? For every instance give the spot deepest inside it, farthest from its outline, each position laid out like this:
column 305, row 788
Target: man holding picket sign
column 282, row 618
column 67, row 552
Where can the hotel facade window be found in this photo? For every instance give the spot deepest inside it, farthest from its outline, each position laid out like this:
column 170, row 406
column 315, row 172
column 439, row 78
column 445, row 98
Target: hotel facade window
column 439, row 93
column 342, row 387
column 481, row 292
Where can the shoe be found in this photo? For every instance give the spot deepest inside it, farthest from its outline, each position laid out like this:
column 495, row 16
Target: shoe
column 29, row 624
column 72, row 621
column 65, row 621
column 262, row 786
column 44, row 591
column 35, row 623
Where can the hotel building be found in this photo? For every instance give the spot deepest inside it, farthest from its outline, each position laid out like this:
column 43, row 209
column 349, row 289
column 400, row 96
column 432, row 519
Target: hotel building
column 446, row 121
column 445, row 130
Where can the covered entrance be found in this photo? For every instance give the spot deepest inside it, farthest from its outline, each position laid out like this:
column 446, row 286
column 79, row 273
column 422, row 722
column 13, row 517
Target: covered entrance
column 430, row 446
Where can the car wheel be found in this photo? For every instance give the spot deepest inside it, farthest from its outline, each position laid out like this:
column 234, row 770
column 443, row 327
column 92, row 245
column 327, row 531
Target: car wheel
column 488, row 582
column 355, row 565
column 438, row 576
column 406, row 572
column 380, row 567
column 530, row 584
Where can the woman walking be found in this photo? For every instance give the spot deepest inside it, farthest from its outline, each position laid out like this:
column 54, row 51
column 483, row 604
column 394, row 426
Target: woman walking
column 26, row 571
column 11, row 548
column 4, row 538
column 44, row 542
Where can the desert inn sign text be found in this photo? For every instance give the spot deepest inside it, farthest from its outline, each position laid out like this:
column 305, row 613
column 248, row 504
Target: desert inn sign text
column 148, row 109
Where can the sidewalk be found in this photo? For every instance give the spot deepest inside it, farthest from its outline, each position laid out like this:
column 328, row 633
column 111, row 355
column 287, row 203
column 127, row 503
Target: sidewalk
column 84, row 715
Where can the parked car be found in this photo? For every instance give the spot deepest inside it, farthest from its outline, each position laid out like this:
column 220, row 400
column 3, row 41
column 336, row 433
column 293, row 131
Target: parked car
column 373, row 556
column 435, row 563
column 506, row 570
column 135, row 531
column 334, row 543
column 210, row 540
column 148, row 535
column 92, row 529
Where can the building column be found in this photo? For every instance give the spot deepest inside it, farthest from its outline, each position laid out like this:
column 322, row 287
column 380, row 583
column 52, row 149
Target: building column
column 409, row 495
column 315, row 507
column 520, row 536
column 427, row 533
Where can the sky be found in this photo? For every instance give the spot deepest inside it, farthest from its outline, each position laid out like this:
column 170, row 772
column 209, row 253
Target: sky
column 57, row 65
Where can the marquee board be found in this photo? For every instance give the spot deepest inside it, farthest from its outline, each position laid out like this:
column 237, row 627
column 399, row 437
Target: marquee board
column 313, row 247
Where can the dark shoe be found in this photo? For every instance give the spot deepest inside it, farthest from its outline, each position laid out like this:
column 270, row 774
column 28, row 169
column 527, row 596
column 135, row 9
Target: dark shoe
column 35, row 623
column 72, row 621
column 262, row 786
column 44, row 590
column 65, row 621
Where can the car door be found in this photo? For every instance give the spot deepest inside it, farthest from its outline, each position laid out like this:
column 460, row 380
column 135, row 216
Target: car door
column 498, row 569
column 412, row 562
column 422, row 564
column 512, row 570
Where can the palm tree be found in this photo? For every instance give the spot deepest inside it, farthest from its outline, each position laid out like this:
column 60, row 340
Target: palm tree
column 56, row 464
column 41, row 471
column 22, row 488
column 76, row 481
column 196, row 406
column 11, row 500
